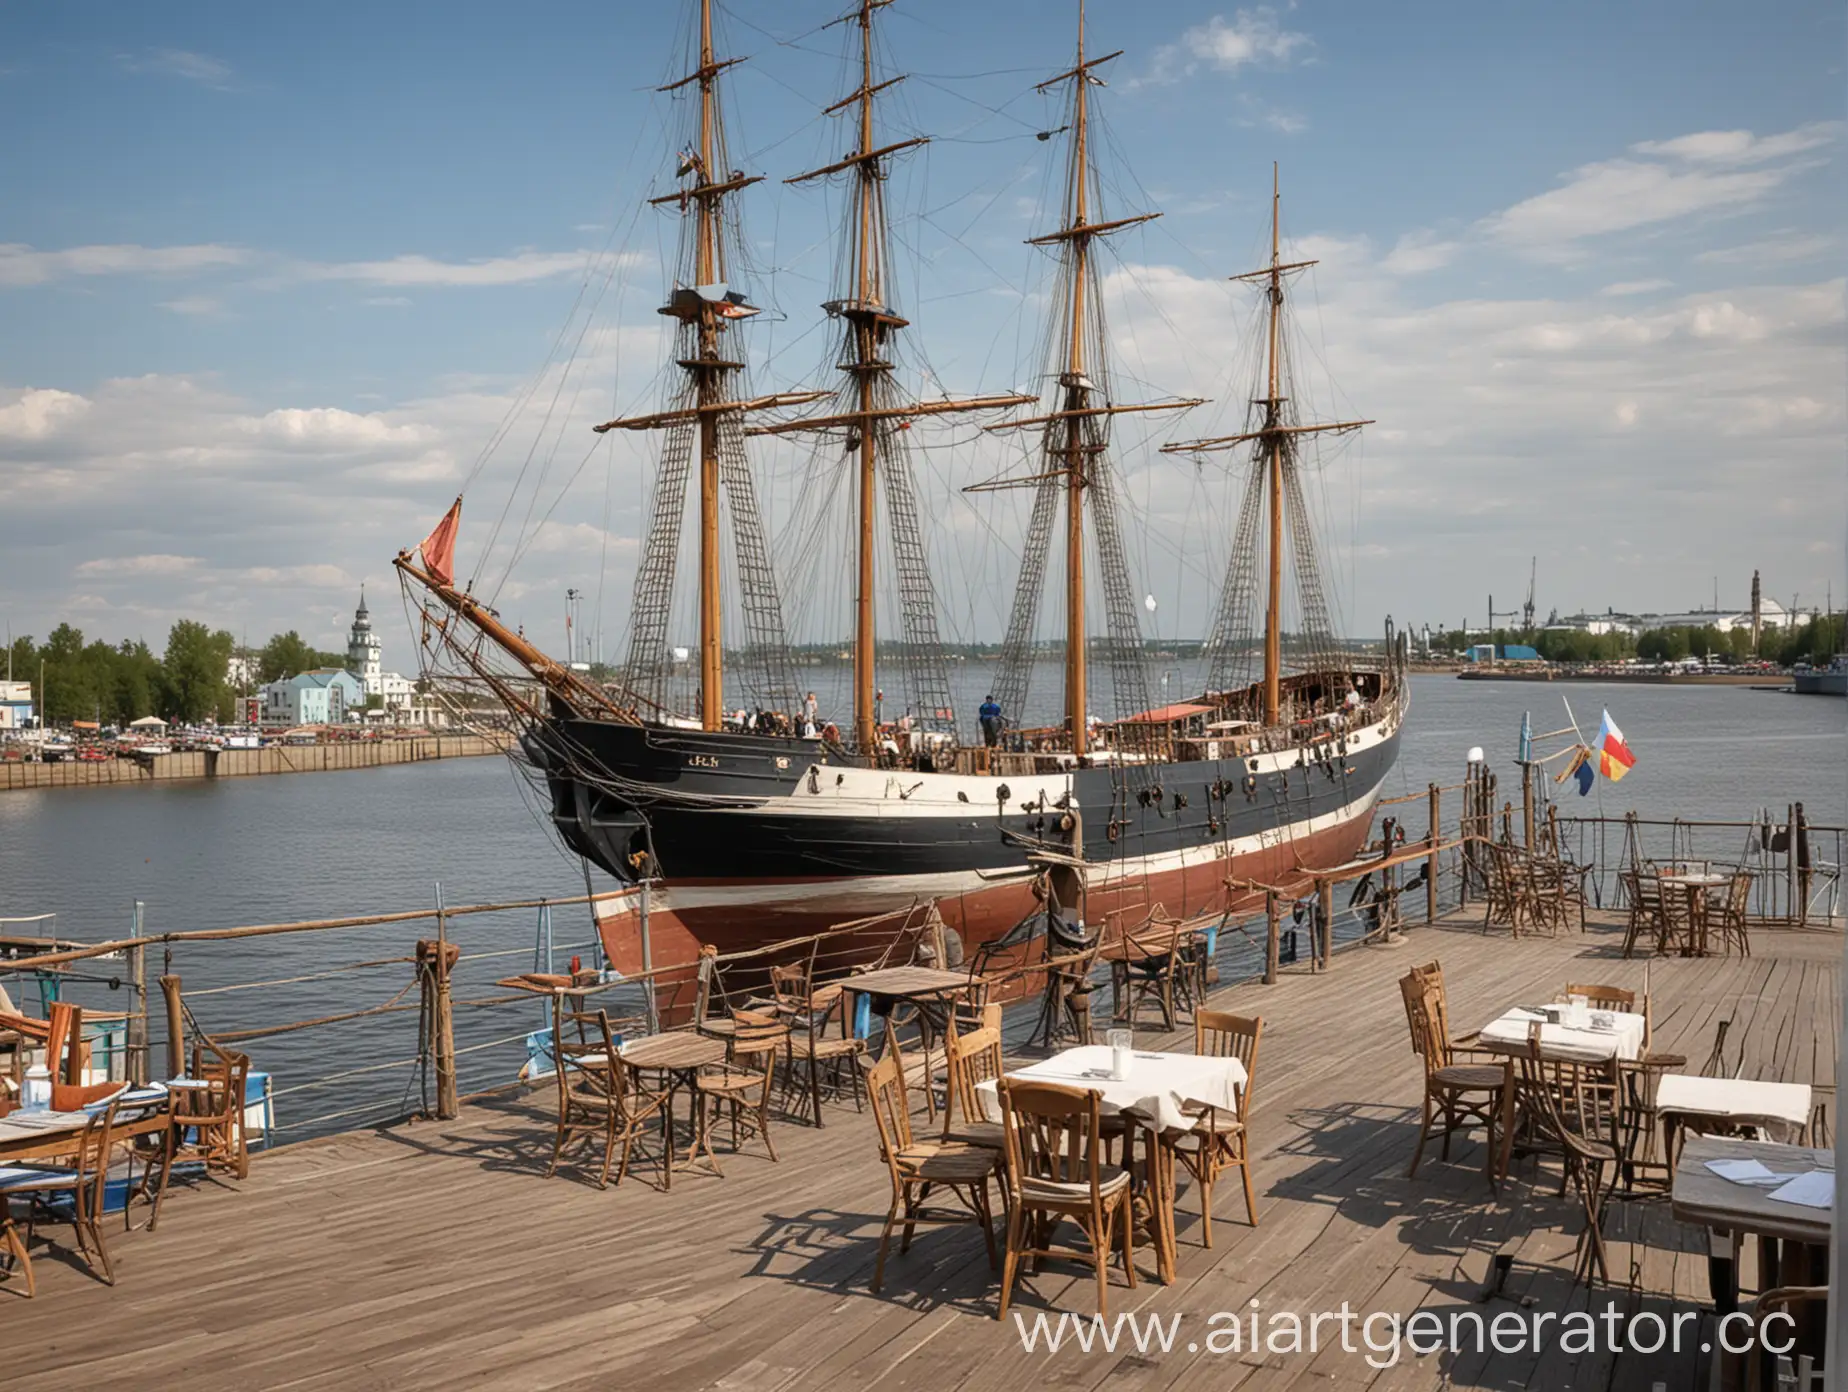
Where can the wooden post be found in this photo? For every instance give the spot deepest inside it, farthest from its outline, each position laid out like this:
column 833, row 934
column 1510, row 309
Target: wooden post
column 176, row 1027
column 648, row 987
column 704, row 971
column 138, row 1015
column 1271, row 916
column 447, row 1103
column 1431, row 870
column 1466, row 849
column 1325, row 907
column 1527, row 806
column 1800, row 848
column 1790, row 862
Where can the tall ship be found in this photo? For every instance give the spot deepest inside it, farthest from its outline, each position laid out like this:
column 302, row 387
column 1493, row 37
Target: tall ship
column 754, row 818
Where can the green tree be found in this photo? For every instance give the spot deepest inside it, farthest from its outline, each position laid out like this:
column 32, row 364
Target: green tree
column 284, row 656
column 137, row 682
column 70, row 688
column 193, row 671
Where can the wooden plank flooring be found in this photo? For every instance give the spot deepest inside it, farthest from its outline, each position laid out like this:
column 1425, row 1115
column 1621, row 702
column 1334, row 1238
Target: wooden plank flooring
column 434, row 1255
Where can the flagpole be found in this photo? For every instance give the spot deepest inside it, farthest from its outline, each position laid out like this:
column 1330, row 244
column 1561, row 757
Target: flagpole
column 1570, row 716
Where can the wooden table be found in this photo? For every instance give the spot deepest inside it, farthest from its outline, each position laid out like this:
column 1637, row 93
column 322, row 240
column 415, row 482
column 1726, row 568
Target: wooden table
column 1155, row 1093
column 1696, row 886
column 1735, row 1211
column 679, row 1055
column 38, row 1137
column 921, row 986
column 1682, row 1098
column 1507, row 1034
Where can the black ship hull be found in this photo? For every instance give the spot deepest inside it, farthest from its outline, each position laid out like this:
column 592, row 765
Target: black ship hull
column 757, row 838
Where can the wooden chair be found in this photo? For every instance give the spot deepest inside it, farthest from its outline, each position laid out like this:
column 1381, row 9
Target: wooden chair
column 916, row 1170
column 1055, row 1171
column 1602, row 997
column 1569, row 1107
column 1781, row 1299
column 1729, row 914
column 1676, row 918
column 1147, row 963
column 208, row 1119
column 810, row 1045
column 1544, row 888
column 974, row 1058
column 1220, row 1139
column 598, row 1095
column 1507, row 901
column 1643, row 894
column 745, row 1083
column 83, row 1183
column 1457, row 1095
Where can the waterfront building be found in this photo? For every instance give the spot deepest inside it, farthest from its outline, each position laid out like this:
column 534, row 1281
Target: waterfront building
column 321, row 697
column 397, row 697
column 16, row 711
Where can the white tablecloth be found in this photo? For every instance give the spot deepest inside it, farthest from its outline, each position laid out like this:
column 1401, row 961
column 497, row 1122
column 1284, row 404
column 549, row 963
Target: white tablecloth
column 1157, row 1087
column 1739, row 1098
column 1509, row 1035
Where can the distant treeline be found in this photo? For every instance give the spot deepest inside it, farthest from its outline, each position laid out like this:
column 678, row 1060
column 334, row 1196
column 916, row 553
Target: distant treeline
column 1815, row 642
column 189, row 681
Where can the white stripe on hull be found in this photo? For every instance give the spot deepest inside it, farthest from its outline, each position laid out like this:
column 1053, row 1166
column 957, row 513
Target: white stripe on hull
column 859, row 896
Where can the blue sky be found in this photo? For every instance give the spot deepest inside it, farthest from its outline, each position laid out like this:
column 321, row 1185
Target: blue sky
column 273, row 277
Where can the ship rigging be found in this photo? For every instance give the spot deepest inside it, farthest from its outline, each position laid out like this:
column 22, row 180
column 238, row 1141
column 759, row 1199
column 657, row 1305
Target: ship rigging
column 1271, row 769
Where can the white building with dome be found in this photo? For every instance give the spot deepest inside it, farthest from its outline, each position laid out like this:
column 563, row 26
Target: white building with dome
column 397, row 695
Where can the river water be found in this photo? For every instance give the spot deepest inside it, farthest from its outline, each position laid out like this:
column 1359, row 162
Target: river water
column 309, row 846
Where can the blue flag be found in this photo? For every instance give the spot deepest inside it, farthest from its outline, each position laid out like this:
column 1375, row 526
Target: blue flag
column 1586, row 776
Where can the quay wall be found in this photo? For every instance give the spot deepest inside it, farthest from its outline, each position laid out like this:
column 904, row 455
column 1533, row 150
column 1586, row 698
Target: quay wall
column 246, row 763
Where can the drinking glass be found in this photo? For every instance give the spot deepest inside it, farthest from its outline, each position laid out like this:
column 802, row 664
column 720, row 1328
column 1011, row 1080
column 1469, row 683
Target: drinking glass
column 1121, row 1042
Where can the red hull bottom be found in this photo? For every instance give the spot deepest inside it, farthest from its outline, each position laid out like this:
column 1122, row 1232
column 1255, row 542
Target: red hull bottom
column 734, row 917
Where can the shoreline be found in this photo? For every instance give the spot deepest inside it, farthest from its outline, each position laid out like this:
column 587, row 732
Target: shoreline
column 1623, row 678
column 246, row 763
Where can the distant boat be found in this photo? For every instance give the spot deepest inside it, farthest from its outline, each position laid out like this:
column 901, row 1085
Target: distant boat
column 1823, row 681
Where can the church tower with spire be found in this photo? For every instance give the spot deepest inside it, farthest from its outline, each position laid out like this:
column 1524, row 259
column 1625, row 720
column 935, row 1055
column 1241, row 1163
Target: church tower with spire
column 364, row 659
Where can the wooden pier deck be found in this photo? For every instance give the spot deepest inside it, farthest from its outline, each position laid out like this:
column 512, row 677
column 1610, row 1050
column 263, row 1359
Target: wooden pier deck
column 433, row 1255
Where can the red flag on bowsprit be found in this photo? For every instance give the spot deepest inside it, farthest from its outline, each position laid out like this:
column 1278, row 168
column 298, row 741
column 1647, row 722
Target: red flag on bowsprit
column 439, row 548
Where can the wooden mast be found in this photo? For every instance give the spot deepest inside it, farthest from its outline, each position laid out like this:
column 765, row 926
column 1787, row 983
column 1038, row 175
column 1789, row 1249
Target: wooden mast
column 1075, row 394
column 871, row 322
column 1075, row 438
column 867, row 292
column 706, row 374
column 1273, row 608
column 1274, row 441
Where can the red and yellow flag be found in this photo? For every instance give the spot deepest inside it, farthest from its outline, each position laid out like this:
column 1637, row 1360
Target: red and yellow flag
column 1613, row 755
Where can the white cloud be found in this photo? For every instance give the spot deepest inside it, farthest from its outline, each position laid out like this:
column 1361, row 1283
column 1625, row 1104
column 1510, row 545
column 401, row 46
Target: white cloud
column 519, row 269
column 1789, row 246
column 25, row 265
column 1741, row 146
column 1711, row 173
column 181, row 63
column 1418, row 252
column 1253, row 37
column 22, row 265
column 195, row 306
column 1620, row 288
column 330, row 428
column 140, row 565
column 38, row 412
column 1250, row 36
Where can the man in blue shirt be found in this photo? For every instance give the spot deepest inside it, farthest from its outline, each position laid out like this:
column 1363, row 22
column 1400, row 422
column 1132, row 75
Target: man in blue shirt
column 991, row 722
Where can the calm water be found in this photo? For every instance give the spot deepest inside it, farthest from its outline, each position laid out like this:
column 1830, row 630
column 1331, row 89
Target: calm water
column 260, row 850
